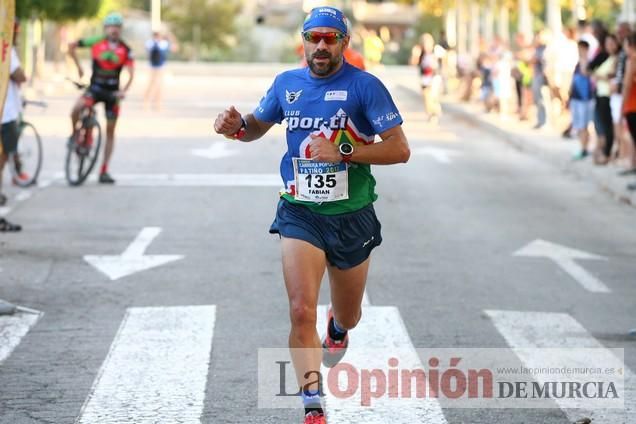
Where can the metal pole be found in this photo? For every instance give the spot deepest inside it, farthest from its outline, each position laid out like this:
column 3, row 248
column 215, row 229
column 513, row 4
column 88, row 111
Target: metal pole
column 554, row 16
column 503, row 24
column 451, row 27
column 474, row 29
column 155, row 12
column 489, row 21
column 628, row 11
column 525, row 19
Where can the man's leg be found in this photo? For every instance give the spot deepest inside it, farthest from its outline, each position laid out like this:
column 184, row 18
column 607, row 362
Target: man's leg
column 3, row 161
column 157, row 91
column 112, row 112
column 537, row 95
column 111, row 124
column 148, row 96
column 347, row 289
column 75, row 112
column 303, row 268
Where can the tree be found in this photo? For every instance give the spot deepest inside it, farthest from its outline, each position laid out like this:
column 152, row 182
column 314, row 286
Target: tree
column 208, row 22
column 57, row 10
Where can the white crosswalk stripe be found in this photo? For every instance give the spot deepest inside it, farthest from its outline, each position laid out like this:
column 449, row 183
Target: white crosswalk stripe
column 380, row 331
column 156, row 370
column 12, row 329
column 157, row 367
column 527, row 330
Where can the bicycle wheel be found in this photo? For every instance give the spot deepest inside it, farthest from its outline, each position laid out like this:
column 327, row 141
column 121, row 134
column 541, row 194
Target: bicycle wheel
column 26, row 162
column 82, row 151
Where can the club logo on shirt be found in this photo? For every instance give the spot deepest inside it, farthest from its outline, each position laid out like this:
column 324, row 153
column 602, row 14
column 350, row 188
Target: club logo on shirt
column 336, row 95
column 295, row 121
column 292, row 96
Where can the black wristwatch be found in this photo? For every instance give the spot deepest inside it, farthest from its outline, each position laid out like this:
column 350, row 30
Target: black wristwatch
column 346, row 150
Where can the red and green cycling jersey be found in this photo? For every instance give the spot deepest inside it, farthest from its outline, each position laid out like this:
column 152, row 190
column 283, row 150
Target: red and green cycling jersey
column 108, row 60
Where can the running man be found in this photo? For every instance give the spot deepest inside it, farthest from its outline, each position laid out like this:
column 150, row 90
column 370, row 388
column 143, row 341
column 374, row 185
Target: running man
column 110, row 55
column 325, row 216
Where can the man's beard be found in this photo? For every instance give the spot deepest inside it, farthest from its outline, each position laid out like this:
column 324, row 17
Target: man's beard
column 323, row 70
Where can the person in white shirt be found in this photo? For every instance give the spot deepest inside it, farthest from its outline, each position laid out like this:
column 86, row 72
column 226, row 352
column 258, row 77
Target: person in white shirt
column 10, row 115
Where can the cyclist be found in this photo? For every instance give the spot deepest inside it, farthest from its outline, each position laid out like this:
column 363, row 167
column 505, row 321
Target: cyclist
column 325, row 216
column 110, row 55
column 10, row 115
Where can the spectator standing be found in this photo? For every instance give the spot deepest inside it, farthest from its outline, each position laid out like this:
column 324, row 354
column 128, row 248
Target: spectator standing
column 158, row 49
column 625, row 149
column 582, row 99
column 429, row 77
column 629, row 90
column 538, row 78
column 602, row 77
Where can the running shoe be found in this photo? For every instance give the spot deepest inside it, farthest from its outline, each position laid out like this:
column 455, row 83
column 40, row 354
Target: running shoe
column 580, row 155
column 333, row 350
column 105, row 178
column 315, row 418
column 20, row 178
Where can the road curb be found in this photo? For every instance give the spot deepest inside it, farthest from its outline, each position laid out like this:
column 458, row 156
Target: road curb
column 606, row 181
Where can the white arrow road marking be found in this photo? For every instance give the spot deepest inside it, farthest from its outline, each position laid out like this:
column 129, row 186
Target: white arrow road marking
column 564, row 257
column 133, row 259
column 380, row 332
column 13, row 328
column 437, row 153
column 524, row 331
column 215, row 151
column 19, row 198
column 156, row 370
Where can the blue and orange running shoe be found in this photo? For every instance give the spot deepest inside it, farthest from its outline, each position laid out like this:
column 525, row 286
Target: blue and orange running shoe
column 333, row 350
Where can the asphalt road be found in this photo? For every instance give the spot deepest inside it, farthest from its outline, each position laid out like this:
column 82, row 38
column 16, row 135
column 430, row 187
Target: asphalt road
column 453, row 219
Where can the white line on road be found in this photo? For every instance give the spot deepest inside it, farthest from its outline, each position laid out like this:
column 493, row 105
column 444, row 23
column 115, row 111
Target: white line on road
column 12, row 329
column 564, row 257
column 19, row 198
column 198, row 180
column 380, row 333
column 217, row 150
column 525, row 331
column 133, row 259
column 156, row 370
column 437, row 153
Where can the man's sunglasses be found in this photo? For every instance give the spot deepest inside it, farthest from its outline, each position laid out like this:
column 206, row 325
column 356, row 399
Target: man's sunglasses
column 328, row 37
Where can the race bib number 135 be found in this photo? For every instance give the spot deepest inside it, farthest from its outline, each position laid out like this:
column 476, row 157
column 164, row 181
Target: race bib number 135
column 320, row 181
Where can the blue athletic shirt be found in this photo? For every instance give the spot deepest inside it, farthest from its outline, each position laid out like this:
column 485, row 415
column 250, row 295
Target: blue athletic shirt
column 349, row 106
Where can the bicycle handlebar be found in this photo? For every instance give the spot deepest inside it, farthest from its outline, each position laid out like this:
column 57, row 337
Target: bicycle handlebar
column 77, row 84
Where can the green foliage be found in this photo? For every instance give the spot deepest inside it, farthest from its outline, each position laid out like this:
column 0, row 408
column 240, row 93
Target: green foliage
column 140, row 4
column 212, row 22
column 57, row 10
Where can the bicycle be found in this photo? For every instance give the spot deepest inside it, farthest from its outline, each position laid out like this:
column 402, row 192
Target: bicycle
column 83, row 146
column 26, row 162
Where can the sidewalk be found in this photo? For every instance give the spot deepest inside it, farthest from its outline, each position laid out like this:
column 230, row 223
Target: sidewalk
column 547, row 144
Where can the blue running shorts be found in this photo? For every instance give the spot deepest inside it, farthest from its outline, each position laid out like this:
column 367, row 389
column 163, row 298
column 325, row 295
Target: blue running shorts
column 347, row 239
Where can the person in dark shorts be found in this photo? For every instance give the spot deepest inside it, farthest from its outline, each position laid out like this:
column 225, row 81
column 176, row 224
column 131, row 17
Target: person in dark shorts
column 109, row 56
column 325, row 216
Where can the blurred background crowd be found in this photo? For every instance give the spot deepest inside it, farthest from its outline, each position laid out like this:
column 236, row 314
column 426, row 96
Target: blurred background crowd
column 561, row 64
